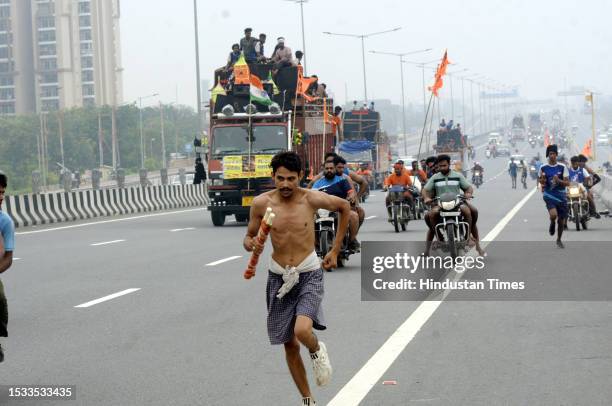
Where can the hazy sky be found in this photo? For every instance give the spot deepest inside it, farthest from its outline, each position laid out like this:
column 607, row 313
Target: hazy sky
column 535, row 44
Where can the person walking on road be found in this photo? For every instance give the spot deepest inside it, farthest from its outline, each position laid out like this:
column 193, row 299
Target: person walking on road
column 523, row 174
column 295, row 279
column 513, row 171
column 7, row 246
column 554, row 178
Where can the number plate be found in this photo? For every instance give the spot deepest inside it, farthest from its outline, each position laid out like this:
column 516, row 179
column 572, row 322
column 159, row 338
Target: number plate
column 247, row 200
column 449, row 213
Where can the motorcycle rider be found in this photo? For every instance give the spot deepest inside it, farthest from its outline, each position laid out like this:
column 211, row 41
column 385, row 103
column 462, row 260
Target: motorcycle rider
column 431, row 166
column 595, row 179
column 418, row 173
column 448, row 181
column 477, row 168
column 339, row 186
column 554, row 179
column 398, row 178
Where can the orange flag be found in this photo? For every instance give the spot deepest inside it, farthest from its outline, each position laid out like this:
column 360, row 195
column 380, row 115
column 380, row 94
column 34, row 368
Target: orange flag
column 440, row 72
column 303, row 84
column 588, row 149
column 546, row 138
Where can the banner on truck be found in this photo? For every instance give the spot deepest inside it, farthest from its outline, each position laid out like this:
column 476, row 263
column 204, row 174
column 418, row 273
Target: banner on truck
column 239, row 166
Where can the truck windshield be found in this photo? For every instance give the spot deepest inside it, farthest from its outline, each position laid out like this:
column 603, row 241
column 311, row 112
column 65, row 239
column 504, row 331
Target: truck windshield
column 268, row 139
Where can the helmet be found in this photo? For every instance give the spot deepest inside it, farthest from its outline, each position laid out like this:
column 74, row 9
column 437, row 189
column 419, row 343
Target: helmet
column 477, row 163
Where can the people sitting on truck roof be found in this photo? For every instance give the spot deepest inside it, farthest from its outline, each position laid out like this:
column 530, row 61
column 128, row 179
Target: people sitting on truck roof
column 233, row 56
column 443, row 124
column 298, row 58
column 322, row 91
column 247, row 46
column 282, row 56
column 259, row 48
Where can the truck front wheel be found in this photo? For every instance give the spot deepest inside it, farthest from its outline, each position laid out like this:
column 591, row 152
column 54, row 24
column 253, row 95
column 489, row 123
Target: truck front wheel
column 218, row 218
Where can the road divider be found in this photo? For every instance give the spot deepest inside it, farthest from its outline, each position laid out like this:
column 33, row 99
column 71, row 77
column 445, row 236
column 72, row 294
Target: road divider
column 109, row 297
column 48, row 208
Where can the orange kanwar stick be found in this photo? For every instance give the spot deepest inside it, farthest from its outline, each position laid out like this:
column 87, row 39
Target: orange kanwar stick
column 262, row 235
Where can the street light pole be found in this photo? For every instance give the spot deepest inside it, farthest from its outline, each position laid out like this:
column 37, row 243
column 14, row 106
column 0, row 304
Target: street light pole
column 197, row 56
column 163, row 135
column 363, row 37
column 301, row 3
column 365, row 85
column 401, row 60
column 142, row 145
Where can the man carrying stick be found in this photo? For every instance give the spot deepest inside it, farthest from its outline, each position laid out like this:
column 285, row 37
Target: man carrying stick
column 295, row 281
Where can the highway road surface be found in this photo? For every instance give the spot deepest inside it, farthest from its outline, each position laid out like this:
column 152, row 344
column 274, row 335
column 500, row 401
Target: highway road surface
column 153, row 310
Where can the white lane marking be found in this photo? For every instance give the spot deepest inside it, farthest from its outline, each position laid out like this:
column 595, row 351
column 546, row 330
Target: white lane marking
column 108, row 221
column 372, row 195
column 224, row 260
column 364, row 380
column 370, row 217
column 16, row 259
column 97, row 244
column 231, row 220
column 109, row 297
column 182, row 229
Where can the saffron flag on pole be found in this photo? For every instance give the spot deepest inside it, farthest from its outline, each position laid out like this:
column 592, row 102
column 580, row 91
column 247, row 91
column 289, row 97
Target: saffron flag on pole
column 241, row 71
column 440, row 72
column 257, row 92
column 588, row 149
column 303, row 84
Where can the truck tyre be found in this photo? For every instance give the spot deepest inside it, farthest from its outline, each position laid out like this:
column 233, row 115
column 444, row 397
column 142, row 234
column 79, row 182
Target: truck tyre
column 218, row 218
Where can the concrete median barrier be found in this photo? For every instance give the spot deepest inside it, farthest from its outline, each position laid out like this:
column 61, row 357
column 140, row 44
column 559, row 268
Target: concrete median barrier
column 56, row 207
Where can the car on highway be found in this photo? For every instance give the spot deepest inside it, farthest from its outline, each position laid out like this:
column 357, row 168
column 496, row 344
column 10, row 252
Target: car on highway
column 503, row 150
column 603, row 140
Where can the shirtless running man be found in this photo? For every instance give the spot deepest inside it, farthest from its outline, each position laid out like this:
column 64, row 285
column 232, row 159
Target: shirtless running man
column 292, row 317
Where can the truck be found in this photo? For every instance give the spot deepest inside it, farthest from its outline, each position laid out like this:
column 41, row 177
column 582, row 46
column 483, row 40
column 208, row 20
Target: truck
column 245, row 134
column 363, row 142
column 452, row 143
column 535, row 125
column 517, row 132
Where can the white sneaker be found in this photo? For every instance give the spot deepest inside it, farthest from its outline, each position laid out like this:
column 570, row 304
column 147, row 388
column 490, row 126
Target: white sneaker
column 321, row 365
column 308, row 402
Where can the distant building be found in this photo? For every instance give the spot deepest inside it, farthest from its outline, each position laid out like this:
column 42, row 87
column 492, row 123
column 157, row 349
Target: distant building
column 57, row 54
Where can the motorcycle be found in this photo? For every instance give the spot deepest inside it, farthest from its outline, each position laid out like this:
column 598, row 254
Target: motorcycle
column 533, row 172
column 532, row 142
column 400, row 209
column 578, row 205
column 326, row 225
column 452, row 231
column 477, row 178
column 488, row 153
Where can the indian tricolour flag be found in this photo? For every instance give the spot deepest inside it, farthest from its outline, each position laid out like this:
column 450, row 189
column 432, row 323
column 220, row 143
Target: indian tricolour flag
column 257, row 92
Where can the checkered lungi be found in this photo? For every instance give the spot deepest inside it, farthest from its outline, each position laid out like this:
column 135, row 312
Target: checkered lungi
column 303, row 300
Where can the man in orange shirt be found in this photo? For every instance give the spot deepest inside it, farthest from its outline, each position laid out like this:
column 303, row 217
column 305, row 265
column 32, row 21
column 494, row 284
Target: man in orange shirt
column 399, row 177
